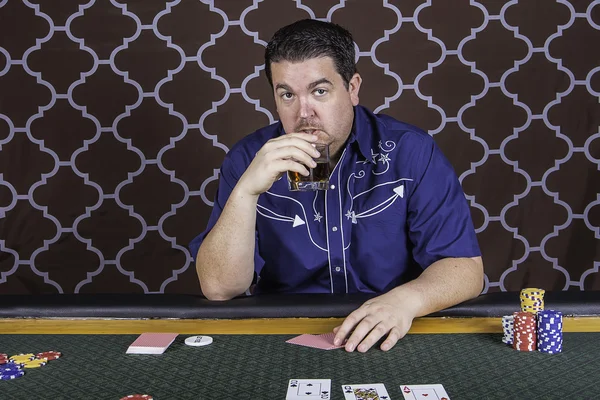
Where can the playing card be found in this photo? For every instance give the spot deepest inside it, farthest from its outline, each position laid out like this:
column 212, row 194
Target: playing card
column 151, row 343
column 305, row 389
column 323, row 341
column 371, row 391
column 424, row 392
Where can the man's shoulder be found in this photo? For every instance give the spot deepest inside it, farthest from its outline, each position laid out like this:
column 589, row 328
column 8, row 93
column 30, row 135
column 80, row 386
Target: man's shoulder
column 387, row 128
column 394, row 128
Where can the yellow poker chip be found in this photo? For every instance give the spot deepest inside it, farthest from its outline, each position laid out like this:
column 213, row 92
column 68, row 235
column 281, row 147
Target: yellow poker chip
column 532, row 300
column 21, row 358
column 34, row 363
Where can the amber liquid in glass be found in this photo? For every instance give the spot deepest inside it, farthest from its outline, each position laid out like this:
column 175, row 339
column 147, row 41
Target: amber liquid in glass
column 318, row 179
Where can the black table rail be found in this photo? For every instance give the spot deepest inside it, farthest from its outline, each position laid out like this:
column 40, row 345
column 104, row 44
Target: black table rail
column 264, row 306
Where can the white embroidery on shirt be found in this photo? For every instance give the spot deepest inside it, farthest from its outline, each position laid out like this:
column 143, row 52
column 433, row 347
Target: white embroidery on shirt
column 381, row 157
column 338, row 165
column 390, row 144
column 318, row 216
column 384, row 157
column 279, row 217
column 351, row 214
column 378, row 160
column 399, row 191
column 296, row 221
column 341, row 207
column 373, row 159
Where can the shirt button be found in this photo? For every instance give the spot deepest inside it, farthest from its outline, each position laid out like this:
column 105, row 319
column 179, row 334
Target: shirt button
column 332, row 187
column 334, row 229
column 337, row 269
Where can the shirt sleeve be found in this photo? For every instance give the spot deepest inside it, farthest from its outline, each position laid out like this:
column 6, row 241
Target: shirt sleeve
column 439, row 219
column 229, row 176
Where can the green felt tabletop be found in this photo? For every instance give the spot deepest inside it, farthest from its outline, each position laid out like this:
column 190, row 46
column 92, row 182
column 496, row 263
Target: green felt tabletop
column 470, row 366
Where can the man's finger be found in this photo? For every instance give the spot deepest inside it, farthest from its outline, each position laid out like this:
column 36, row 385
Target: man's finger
column 348, row 325
column 360, row 332
column 392, row 339
column 293, row 139
column 373, row 337
column 302, row 135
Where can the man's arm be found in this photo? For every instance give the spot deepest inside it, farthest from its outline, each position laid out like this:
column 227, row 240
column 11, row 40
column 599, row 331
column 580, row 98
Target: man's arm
column 443, row 284
column 225, row 261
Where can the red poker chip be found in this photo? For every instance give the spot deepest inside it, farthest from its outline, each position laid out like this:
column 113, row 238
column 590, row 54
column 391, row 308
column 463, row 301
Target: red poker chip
column 138, row 397
column 49, row 355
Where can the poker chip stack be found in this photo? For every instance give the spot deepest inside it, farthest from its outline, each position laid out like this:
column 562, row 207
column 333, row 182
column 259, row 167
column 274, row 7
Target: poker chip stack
column 525, row 331
column 550, row 337
column 532, row 300
column 533, row 327
column 14, row 367
column 11, row 371
column 508, row 328
column 11, row 368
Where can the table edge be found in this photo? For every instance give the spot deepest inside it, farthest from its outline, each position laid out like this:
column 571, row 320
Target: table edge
column 424, row 325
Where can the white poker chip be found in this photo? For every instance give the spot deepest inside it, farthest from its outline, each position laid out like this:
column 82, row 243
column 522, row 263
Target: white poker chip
column 198, row 340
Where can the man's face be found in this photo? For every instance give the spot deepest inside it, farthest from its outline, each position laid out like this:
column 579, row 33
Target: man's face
column 311, row 97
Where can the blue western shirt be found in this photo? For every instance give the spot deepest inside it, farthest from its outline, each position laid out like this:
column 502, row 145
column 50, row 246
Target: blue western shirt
column 394, row 206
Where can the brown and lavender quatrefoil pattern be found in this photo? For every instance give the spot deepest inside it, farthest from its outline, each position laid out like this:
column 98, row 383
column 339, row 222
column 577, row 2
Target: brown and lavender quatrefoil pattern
column 115, row 116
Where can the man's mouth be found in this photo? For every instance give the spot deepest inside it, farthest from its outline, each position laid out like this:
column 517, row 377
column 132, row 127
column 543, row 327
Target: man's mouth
column 309, row 130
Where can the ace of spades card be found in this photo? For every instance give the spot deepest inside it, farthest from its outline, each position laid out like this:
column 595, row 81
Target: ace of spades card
column 304, row 389
column 372, row 391
column 424, row 392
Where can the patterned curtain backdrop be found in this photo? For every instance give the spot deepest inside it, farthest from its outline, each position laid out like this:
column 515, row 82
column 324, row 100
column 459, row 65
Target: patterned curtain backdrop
column 115, row 116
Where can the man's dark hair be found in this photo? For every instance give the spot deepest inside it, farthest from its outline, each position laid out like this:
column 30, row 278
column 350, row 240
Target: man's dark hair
column 309, row 38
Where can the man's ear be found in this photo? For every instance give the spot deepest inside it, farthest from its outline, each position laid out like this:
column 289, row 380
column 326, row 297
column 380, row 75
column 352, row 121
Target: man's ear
column 354, row 88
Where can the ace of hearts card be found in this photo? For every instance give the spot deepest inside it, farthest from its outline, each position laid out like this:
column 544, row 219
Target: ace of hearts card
column 424, row 392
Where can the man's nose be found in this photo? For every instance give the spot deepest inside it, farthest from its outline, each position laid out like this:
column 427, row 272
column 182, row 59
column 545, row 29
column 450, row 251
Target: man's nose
column 306, row 109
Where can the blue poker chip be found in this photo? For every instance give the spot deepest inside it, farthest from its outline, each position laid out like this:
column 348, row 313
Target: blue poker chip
column 550, row 337
column 10, row 367
column 553, row 343
column 550, row 351
column 12, row 364
column 9, row 375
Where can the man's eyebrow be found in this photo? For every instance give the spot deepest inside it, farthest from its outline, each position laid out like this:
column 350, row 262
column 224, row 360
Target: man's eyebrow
column 319, row 82
column 283, row 86
column 311, row 85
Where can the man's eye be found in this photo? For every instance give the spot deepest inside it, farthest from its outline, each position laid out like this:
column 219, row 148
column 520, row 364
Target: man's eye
column 287, row 96
column 320, row 92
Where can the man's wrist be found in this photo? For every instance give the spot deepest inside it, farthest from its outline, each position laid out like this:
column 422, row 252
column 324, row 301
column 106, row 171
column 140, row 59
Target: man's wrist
column 240, row 193
column 410, row 299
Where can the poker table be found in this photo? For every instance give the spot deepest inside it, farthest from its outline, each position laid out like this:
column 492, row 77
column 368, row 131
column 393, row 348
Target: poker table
column 460, row 348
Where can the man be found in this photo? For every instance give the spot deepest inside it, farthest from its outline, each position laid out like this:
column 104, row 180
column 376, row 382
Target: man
column 394, row 209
